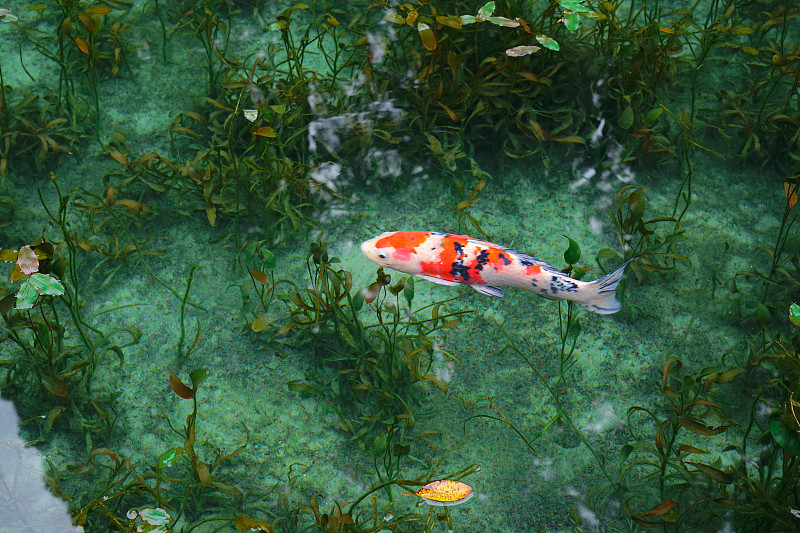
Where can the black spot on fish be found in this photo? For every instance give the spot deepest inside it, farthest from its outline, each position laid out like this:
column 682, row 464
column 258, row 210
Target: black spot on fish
column 482, row 259
column 458, row 269
column 505, row 259
column 560, row 284
column 526, row 263
column 458, row 248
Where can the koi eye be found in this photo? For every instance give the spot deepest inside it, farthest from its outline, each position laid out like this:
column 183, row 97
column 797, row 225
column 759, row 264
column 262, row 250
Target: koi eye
column 381, row 255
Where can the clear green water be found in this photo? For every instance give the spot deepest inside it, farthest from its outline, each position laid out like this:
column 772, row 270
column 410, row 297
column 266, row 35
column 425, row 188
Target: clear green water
column 564, row 485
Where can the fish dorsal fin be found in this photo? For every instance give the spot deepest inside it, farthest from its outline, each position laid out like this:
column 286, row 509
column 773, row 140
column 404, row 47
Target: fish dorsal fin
column 488, row 290
column 521, row 257
column 440, row 281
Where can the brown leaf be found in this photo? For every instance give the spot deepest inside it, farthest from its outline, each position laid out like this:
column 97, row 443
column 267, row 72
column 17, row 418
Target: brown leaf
column 538, row 130
column 82, row 46
column 574, row 139
column 266, row 131
column 791, row 193
column 660, row 438
column 661, row 509
column 55, row 386
column 701, row 429
column 714, row 473
column 98, row 10
column 259, row 276
column 119, row 157
column 450, row 112
column 203, row 474
column 179, row 388
column 244, row 523
column 27, row 260
column 685, row 448
column 427, row 36
column 261, row 322
column 87, row 21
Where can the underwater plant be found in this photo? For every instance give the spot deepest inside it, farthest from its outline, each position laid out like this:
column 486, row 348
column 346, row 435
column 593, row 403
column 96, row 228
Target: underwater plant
column 51, row 286
column 365, row 371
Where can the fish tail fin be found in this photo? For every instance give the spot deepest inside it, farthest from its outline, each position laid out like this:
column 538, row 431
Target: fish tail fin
column 602, row 293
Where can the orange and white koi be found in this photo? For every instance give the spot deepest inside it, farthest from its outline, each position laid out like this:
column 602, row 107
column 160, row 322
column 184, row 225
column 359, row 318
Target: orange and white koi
column 458, row 259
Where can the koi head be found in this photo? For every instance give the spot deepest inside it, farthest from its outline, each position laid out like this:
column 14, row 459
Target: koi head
column 396, row 249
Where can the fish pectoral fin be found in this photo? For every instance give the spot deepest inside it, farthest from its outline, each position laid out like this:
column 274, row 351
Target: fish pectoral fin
column 440, row 281
column 488, row 290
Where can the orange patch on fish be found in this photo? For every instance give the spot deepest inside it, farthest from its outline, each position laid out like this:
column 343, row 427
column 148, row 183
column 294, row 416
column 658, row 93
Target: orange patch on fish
column 404, row 243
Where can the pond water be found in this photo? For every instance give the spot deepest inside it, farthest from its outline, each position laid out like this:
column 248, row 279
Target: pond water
column 194, row 340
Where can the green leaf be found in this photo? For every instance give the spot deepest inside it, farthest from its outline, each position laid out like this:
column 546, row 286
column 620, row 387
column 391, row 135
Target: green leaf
column 572, row 5
column 502, row 21
column 574, row 328
column 46, row 284
column 26, row 295
column 44, row 335
column 400, row 450
column 155, row 517
column 653, row 115
column 548, row 42
column 626, row 118
column 572, row 21
column 169, row 457
column 358, row 301
column 393, row 17
column 198, row 376
column 794, row 314
column 468, row 19
column 408, row 290
column 268, row 257
column 485, row 12
column 785, row 437
column 573, row 253
column 762, row 315
column 9, row 256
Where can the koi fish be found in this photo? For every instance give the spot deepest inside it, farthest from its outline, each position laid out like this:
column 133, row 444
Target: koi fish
column 458, row 259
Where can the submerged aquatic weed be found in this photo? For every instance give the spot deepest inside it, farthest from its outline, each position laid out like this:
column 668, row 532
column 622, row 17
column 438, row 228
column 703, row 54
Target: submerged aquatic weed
column 365, row 370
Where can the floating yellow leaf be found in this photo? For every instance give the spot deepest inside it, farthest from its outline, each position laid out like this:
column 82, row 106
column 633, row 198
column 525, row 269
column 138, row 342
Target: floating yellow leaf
column 445, row 492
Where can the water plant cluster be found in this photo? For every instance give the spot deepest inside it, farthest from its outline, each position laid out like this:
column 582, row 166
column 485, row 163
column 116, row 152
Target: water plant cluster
column 337, row 99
